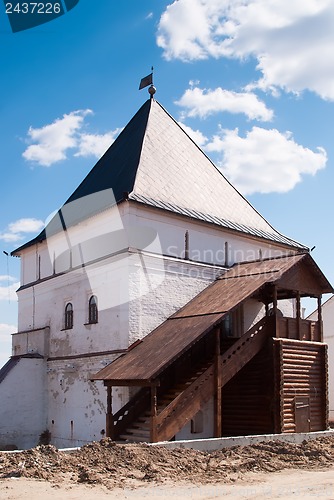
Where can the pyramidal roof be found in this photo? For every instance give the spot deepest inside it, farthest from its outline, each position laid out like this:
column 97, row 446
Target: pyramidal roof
column 153, row 161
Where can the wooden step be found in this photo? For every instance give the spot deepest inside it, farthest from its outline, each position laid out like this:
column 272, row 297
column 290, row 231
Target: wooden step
column 138, row 432
column 140, row 421
column 142, row 425
column 133, row 438
column 140, row 428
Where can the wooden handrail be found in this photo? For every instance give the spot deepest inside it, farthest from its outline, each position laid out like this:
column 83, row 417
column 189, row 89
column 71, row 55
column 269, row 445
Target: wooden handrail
column 196, row 395
column 130, row 411
column 244, row 349
column 185, row 406
column 299, row 329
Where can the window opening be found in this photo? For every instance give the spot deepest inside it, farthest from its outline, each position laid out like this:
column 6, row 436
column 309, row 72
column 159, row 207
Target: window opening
column 68, row 316
column 92, row 312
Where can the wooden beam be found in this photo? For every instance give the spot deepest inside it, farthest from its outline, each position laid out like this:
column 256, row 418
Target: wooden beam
column 325, row 392
column 218, row 388
column 277, row 333
column 186, row 246
column 109, row 415
column 321, row 331
column 186, row 404
column 267, row 308
column 298, row 312
column 227, row 257
column 275, row 300
column 276, row 402
column 131, row 383
column 153, row 426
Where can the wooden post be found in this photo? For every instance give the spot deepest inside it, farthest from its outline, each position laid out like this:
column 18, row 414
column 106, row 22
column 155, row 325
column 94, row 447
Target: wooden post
column 267, row 308
column 186, row 246
column 275, row 300
column 275, row 311
column 298, row 311
column 325, row 392
column 153, row 429
column 320, row 325
column 227, row 257
column 218, row 388
column 109, row 415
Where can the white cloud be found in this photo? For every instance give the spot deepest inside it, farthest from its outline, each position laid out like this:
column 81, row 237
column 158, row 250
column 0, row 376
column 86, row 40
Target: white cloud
column 26, row 226
column 53, row 141
column 184, row 31
column 196, row 135
column 10, row 237
column 94, row 144
column 265, row 161
column 6, row 330
column 199, row 102
column 16, row 230
column 5, row 277
column 291, row 41
column 8, row 288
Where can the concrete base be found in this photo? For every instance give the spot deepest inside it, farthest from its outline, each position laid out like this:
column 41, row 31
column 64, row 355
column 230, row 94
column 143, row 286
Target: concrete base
column 225, row 442
column 228, row 442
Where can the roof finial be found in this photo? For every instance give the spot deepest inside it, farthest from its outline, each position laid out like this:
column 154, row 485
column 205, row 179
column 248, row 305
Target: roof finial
column 148, row 80
column 152, row 90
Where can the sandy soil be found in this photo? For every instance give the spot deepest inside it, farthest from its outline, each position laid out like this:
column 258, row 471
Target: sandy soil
column 287, row 484
column 105, row 470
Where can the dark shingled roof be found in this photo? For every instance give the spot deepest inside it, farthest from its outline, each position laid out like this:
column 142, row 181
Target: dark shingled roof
column 154, row 162
column 118, row 166
column 115, row 170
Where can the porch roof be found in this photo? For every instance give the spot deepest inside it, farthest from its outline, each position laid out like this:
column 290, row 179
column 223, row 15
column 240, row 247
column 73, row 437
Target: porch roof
column 160, row 348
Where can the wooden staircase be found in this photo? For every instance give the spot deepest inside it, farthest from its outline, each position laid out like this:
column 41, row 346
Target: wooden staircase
column 180, row 403
column 139, row 430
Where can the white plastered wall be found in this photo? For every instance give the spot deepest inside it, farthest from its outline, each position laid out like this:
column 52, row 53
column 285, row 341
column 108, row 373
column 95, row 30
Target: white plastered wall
column 23, row 396
column 75, row 411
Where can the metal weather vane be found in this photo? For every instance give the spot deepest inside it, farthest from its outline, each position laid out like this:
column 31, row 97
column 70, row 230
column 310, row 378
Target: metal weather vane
column 148, row 81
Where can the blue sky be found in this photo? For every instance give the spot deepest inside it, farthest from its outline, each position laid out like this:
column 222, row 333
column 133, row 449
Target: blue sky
column 252, row 82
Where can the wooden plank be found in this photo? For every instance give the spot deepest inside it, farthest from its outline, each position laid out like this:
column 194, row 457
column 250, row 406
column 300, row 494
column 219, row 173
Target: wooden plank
column 129, row 383
column 218, row 388
column 320, row 318
column 130, row 411
column 303, row 370
column 290, row 344
column 185, row 405
column 298, row 313
column 153, row 423
column 310, row 347
column 243, row 351
column 109, row 415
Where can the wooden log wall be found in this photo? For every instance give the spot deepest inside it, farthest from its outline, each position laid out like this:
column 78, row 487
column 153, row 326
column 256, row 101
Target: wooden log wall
column 302, row 385
column 248, row 399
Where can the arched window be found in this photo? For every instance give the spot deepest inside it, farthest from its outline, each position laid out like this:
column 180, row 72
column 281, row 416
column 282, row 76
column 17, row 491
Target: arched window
column 68, row 316
column 92, row 311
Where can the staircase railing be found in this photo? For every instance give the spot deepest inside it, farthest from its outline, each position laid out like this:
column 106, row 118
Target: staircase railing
column 130, row 412
column 243, row 350
column 185, row 406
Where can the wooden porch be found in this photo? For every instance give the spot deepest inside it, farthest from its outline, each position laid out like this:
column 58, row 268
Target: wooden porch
column 271, row 379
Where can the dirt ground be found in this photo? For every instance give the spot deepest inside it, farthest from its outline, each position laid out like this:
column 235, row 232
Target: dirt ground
column 109, row 470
